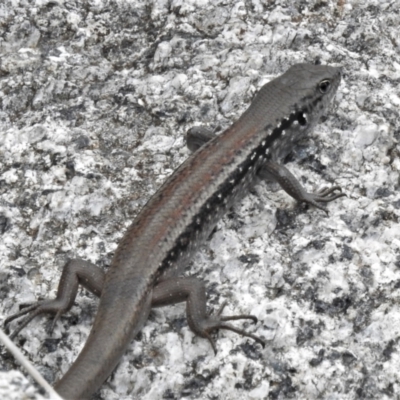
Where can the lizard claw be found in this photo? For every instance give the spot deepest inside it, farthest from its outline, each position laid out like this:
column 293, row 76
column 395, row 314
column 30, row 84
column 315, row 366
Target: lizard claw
column 204, row 327
column 323, row 196
column 31, row 310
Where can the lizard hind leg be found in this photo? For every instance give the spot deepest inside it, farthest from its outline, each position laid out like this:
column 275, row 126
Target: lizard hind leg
column 192, row 291
column 219, row 322
column 76, row 272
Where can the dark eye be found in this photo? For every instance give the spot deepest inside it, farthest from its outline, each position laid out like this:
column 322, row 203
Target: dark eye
column 324, row 86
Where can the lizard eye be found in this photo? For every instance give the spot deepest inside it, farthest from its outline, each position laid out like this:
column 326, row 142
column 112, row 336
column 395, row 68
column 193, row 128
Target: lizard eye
column 324, row 86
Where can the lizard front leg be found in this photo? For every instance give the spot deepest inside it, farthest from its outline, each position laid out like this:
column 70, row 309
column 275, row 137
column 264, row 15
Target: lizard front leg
column 290, row 184
column 199, row 135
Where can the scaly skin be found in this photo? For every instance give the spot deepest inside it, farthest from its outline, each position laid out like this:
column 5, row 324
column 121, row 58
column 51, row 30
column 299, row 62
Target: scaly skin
column 180, row 216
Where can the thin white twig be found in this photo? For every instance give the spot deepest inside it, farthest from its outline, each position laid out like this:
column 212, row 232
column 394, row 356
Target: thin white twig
column 16, row 352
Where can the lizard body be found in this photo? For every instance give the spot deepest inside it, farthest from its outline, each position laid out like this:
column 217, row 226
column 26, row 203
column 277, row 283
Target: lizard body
column 145, row 270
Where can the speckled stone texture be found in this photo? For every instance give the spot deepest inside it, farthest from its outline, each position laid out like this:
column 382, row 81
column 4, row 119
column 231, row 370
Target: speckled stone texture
column 95, row 100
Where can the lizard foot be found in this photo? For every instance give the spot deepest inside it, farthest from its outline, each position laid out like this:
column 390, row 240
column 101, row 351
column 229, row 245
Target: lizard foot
column 325, row 195
column 31, row 310
column 205, row 326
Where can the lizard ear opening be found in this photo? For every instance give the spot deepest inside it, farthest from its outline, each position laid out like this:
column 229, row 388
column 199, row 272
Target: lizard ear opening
column 301, row 118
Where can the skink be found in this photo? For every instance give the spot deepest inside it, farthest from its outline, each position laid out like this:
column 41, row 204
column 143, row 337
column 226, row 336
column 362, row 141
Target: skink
column 147, row 265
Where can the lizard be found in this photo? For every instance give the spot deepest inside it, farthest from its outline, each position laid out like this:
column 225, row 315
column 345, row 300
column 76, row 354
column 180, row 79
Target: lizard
column 146, row 269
